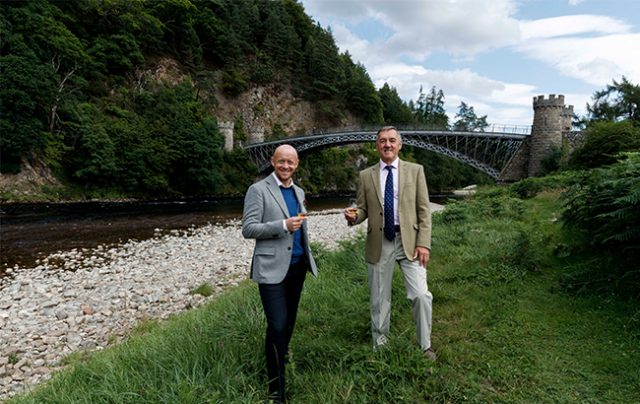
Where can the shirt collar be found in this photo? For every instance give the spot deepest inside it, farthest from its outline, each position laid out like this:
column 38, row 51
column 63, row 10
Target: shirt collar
column 394, row 164
column 280, row 183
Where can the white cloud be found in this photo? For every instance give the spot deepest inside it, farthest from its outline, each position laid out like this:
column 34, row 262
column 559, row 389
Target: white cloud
column 583, row 49
column 347, row 41
column 594, row 60
column 571, row 25
column 408, row 78
column 499, row 100
column 419, row 27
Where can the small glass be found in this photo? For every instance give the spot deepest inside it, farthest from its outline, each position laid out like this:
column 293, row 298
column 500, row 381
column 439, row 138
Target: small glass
column 353, row 206
column 301, row 214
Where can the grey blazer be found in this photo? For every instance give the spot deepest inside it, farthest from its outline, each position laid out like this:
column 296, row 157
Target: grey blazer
column 264, row 211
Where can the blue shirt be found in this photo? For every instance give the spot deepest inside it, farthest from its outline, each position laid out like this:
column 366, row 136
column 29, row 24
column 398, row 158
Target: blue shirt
column 290, row 199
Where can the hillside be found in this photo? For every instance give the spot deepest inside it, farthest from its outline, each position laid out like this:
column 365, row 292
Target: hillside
column 123, row 98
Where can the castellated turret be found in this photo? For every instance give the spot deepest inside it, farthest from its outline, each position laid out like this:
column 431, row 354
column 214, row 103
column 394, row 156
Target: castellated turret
column 551, row 118
column 226, row 129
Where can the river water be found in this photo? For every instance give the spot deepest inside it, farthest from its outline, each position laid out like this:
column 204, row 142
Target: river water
column 32, row 231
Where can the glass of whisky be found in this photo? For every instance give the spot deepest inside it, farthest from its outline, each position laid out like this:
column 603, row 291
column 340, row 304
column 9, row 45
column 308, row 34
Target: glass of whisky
column 352, row 209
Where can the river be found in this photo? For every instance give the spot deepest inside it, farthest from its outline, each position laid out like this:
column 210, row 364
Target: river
column 32, row 231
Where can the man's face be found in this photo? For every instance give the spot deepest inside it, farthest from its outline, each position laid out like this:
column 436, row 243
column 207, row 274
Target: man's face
column 388, row 145
column 285, row 162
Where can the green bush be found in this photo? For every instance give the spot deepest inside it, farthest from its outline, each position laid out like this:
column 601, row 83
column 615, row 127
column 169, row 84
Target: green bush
column 603, row 142
column 532, row 186
column 233, row 82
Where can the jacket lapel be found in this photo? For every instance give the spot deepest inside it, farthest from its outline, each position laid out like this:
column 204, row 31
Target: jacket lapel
column 274, row 189
column 375, row 178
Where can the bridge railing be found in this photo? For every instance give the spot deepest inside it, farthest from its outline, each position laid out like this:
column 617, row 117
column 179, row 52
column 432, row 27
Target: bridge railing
column 492, row 128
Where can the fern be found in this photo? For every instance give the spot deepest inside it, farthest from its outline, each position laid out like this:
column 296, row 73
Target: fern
column 606, row 205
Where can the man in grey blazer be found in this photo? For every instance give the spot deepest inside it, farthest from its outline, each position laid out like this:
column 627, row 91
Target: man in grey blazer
column 393, row 196
column 274, row 216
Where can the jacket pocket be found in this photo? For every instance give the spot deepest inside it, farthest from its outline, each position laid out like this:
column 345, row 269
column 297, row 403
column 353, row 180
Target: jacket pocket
column 265, row 251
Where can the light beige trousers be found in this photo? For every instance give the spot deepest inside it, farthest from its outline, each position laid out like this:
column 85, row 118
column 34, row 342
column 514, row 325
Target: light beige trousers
column 415, row 283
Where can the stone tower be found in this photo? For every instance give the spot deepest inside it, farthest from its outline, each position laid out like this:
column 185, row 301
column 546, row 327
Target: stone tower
column 226, row 129
column 551, row 118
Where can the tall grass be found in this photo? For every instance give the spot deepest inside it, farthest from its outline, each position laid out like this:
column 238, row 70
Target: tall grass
column 503, row 329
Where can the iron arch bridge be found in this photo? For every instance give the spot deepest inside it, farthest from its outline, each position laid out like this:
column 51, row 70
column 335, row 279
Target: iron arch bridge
column 488, row 152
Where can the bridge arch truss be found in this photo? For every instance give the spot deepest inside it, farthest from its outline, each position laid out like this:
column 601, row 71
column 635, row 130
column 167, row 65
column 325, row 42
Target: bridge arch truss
column 488, row 152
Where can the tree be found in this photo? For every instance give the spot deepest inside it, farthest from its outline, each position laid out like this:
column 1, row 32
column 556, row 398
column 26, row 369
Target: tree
column 220, row 44
column 429, row 109
column 359, row 93
column 178, row 18
column 281, row 40
column 619, row 101
column 41, row 57
column 94, row 157
column 116, row 54
column 323, row 64
column 394, row 110
column 78, row 87
column 468, row 120
column 27, row 89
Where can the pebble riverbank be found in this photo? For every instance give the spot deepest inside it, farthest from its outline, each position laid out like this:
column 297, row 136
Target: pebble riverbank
column 84, row 300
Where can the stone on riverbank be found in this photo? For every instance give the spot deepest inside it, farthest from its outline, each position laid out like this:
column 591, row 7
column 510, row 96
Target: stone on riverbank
column 81, row 300
column 86, row 299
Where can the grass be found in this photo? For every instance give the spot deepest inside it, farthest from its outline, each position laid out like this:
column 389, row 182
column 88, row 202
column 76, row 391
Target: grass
column 205, row 289
column 504, row 330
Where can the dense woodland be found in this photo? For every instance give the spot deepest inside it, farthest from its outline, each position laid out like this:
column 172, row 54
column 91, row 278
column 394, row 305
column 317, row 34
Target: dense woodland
column 76, row 94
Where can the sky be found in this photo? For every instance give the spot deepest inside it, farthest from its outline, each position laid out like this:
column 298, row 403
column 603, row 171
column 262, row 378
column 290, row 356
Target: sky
column 494, row 55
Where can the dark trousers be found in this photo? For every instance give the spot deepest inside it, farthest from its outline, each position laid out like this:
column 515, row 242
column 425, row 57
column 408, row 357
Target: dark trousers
column 280, row 303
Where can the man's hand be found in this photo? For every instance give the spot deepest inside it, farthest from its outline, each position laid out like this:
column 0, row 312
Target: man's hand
column 351, row 214
column 294, row 223
column 422, row 253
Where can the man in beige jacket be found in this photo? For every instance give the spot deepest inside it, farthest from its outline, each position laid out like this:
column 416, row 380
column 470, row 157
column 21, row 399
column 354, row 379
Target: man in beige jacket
column 393, row 196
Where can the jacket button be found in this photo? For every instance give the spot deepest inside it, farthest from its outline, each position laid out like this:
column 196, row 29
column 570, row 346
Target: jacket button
column 288, row 248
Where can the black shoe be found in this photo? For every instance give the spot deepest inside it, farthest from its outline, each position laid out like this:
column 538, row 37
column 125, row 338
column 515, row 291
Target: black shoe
column 276, row 398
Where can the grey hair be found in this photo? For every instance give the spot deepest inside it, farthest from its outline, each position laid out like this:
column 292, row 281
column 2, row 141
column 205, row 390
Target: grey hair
column 386, row 128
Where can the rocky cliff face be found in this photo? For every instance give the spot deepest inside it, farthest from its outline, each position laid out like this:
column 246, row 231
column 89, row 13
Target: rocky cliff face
column 29, row 181
column 260, row 107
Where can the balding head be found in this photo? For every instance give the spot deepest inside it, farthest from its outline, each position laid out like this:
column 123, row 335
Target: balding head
column 285, row 148
column 285, row 162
